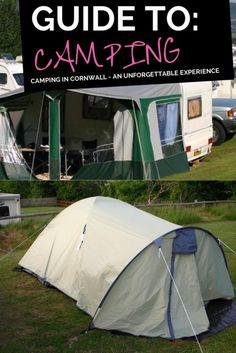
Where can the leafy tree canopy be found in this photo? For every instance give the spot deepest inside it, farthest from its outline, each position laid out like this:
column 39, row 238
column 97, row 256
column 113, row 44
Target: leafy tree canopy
column 134, row 192
column 10, row 38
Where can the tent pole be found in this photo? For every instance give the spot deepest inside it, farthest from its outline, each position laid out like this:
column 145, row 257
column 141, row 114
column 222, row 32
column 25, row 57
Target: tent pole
column 227, row 246
column 140, row 143
column 37, row 136
column 54, row 135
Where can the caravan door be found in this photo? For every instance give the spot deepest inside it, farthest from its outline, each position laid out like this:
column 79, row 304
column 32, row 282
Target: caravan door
column 165, row 128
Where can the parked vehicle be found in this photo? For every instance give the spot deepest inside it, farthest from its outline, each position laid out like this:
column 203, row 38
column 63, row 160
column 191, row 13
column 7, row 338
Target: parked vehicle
column 9, row 206
column 11, row 74
column 224, row 119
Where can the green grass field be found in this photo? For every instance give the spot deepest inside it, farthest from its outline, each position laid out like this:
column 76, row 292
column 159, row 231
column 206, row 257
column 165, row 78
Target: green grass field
column 37, row 319
column 27, row 210
column 219, row 165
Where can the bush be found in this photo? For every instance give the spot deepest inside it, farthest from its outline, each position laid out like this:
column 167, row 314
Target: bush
column 178, row 215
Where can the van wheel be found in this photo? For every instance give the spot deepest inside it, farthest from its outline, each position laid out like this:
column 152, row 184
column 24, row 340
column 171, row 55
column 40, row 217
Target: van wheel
column 219, row 134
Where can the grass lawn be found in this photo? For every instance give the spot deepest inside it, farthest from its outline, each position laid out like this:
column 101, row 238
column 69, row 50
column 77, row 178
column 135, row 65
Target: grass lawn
column 37, row 319
column 27, row 210
column 219, row 165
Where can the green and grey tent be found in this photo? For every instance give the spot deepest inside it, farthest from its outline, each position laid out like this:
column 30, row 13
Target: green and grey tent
column 131, row 271
column 12, row 163
column 128, row 132
column 145, row 146
column 129, row 141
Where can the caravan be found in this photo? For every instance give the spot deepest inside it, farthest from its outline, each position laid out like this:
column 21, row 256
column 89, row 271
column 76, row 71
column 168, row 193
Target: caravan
column 11, row 75
column 133, row 132
column 9, row 207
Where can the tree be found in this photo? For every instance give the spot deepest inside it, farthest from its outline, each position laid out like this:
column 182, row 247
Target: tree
column 203, row 191
column 28, row 189
column 157, row 190
column 138, row 191
column 134, row 192
column 10, row 38
column 73, row 191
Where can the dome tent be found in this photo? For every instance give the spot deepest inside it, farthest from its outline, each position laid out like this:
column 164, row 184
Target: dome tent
column 122, row 266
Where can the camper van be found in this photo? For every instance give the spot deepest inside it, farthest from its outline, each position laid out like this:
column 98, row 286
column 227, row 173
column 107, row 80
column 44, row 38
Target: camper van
column 131, row 132
column 11, row 75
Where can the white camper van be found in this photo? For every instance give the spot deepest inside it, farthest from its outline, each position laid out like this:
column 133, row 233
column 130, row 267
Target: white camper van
column 11, row 75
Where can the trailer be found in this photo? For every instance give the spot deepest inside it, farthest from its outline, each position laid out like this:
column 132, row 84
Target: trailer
column 9, row 207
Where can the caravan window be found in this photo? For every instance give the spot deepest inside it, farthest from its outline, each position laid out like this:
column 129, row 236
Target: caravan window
column 3, row 79
column 95, row 107
column 19, row 79
column 194, row 107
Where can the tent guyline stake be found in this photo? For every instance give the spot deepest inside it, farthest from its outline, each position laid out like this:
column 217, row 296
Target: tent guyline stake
column 181, row 300
column 227, row 246
column 25, row 240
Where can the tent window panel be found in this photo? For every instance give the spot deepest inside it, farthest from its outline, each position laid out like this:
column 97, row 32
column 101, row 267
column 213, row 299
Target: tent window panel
column 168, row 118
column 3, row 79
column 194, row 107
column 95, row 107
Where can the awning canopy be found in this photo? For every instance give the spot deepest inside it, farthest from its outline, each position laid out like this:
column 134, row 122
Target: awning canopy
column 19, row 98
column 133, row 92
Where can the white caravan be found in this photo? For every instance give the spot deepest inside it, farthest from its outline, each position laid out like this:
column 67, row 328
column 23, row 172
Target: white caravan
column 9, row 207
column 11, row 75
